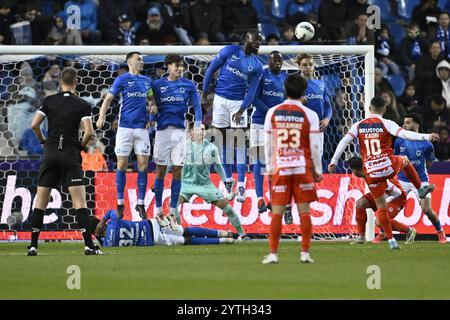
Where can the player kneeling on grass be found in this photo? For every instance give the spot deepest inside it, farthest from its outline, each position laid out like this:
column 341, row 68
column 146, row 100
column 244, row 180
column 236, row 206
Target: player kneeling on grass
column 395, row 199
column 293, row 162
column 200, row 155
column 114, row 232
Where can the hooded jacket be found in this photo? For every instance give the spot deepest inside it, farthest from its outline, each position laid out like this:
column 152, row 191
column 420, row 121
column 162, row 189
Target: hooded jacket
column 445, row 83
column 438, row 86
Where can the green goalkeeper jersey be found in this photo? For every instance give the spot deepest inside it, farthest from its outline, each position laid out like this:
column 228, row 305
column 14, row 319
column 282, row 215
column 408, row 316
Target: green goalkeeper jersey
column 198, row 161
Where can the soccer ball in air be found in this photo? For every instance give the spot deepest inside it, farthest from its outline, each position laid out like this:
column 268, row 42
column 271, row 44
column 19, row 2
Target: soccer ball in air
column 304, row 31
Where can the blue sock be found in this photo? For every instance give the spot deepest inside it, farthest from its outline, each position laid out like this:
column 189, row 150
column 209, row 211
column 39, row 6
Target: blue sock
column 241, row 164
column 121, row 180
column 142, row 185
column 437, row 225
column 197, row 241
column 159, row 188
column 259, row 179
column 201, row 232
column 175, row 193
column 227, row 165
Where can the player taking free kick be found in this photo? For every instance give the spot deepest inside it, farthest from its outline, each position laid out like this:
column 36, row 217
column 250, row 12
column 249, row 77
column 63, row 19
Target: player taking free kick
column 379, row 162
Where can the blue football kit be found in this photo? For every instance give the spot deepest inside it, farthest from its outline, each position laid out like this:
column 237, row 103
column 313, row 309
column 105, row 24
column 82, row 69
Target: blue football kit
column 418, row 152
column 270, row 93
column 173, row 99
column 134, row 91
column 239, row 75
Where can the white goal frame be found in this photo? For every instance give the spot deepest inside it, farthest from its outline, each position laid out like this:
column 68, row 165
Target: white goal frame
column 367, row 51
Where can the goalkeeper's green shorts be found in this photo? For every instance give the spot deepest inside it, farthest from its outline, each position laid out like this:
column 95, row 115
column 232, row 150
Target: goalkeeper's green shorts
column 207, row 192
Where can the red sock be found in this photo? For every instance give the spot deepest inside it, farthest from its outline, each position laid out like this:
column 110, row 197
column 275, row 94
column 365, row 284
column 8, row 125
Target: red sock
column 361, row 219
column 412, row 175
column 384, row 220
column 275, row 231
column 306, row 227
column 398, row 226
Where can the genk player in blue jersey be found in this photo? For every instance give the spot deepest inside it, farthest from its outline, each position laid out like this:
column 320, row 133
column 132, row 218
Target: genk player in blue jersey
column 173, row 94
column 239, row 74
column 114, row 232
column 317, row 99
column 421, row 155
column 270, row 93
column 136, row 101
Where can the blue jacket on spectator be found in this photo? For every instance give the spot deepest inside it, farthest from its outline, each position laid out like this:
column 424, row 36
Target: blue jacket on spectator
column 293, row 7
column 88, row 10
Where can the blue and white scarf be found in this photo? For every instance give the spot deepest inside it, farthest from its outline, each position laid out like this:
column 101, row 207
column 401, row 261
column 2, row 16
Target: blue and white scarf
column 443, row 36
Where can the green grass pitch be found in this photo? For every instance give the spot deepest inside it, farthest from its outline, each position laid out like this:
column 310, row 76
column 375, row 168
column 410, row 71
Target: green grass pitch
column 418, row 271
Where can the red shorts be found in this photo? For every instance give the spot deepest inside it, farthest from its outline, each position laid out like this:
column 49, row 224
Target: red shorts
column 300, row 186
column 393, row 207
column 378, row 186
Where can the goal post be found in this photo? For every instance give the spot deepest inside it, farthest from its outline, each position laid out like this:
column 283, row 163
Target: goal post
column 348, row 72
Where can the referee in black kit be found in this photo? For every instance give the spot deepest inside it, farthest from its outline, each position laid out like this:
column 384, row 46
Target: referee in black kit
column 62, row 159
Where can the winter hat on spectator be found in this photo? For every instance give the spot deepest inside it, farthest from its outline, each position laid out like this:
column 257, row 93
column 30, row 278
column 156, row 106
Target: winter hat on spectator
column 123, row 18
column 154, row 11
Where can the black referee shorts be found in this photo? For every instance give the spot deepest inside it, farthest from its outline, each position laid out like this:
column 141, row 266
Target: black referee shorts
column 61, row 167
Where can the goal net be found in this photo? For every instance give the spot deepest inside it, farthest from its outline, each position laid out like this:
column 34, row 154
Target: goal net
column 25, row 80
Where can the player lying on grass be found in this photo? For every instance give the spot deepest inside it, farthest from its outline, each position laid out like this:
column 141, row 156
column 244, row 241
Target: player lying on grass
column 114, row 232
column 200, row 155
column 421, row 154
column 395, row 200
column 380, row 164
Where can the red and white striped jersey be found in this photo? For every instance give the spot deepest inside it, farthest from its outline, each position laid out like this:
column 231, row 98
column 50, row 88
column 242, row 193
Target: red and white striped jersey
column 289, row 128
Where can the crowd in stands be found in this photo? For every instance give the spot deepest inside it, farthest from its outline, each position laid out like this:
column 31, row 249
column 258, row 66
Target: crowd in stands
column 412, row 48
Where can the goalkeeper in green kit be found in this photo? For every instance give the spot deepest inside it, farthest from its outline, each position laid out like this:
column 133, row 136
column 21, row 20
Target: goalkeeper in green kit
column 200, row 155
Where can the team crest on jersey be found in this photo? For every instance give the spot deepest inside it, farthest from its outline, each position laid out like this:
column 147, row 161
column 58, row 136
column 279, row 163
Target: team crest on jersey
column 402, row 149
column 418, row 153
column 250, row 68
column 182, row 90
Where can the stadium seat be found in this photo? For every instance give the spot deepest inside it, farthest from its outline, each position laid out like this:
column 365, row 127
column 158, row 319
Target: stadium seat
column 408, row 8
column 442, row 4
column 397, row 32
column 268, row 28
column 261, row 11
column 397, row 83
column 279, row 8
column 385, row 9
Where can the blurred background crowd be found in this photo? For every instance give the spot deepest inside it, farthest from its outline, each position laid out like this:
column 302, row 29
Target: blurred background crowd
column 412, row 50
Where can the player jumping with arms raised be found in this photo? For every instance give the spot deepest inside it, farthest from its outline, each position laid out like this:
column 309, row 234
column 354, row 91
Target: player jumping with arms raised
column 136, row 98
column 238, row 80
column 421, row 155
column 293, row 161
column 173, row 96
column 374, row 136
column 270, row 93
